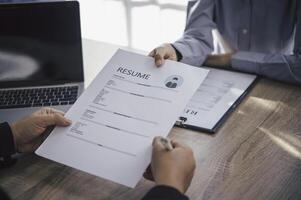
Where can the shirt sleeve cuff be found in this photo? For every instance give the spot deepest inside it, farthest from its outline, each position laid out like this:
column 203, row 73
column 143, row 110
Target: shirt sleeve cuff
column 179, row 55
column 164, row 192
column 183, row 49
column 188, row 55
column 247, row 61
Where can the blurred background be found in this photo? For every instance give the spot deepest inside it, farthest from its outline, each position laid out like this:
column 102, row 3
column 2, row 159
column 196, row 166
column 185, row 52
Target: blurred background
column 138, row 24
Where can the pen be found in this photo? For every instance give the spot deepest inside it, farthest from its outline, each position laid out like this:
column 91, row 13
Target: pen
column 167, row 144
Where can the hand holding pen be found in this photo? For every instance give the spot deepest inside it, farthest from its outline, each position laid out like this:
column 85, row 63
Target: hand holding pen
column 166, row 143
column 172, row 164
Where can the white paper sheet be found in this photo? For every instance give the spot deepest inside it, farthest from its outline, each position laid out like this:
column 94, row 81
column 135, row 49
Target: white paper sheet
column 116, row 118
column 215, row 96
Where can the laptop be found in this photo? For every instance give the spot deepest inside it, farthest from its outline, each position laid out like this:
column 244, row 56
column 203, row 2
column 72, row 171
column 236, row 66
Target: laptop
column 41, row 60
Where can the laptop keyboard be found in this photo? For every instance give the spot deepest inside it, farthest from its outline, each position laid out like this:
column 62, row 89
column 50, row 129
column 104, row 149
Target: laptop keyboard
column 37, row 97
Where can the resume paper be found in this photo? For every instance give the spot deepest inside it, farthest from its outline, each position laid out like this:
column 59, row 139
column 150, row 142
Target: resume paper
column 115, row 120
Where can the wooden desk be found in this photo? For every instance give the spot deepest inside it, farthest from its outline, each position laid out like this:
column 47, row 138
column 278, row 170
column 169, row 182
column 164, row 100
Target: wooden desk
column 255, row 155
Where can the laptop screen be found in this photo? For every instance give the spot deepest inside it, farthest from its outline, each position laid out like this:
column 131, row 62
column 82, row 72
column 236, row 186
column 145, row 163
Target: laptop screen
column 40, row 44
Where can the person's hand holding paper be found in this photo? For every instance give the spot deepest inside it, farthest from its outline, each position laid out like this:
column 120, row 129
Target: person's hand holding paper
column 162, row 53
column 174, row 168
column 30, row 131
column 118, row 115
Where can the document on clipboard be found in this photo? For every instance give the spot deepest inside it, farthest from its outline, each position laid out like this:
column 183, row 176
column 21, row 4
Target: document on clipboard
column 215, row 99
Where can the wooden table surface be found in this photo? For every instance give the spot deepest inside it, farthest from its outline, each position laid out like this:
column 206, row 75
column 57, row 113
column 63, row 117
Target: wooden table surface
column 255, row 155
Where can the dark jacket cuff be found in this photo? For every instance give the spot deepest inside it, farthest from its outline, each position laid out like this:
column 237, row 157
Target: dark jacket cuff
column 164, row 193
column 7, row 145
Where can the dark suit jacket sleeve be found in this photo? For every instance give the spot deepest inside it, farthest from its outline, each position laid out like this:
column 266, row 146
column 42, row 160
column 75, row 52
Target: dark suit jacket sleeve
column 7, row 146
column 164, row 193
column 3, row 195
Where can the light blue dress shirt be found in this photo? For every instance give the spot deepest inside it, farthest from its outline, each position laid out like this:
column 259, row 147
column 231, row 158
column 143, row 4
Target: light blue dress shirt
column 265, row 33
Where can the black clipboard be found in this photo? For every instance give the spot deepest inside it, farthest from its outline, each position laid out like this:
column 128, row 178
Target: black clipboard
column 181, row 122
